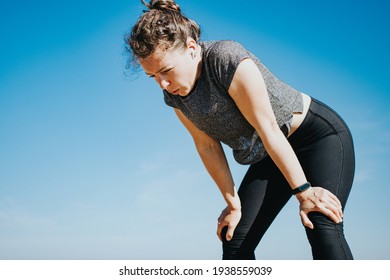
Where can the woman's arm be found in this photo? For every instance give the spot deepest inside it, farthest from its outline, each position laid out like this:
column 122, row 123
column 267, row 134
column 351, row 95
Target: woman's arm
column 214, row 159
column 250, row 94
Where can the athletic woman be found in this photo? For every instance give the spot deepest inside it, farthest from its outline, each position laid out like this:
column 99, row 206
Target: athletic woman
column 294, row 144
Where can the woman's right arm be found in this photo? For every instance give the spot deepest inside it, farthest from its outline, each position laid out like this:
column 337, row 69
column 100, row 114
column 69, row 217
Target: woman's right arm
column 214, row 159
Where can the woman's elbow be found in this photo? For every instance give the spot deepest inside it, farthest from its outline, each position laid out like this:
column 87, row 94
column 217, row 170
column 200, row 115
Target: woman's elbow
column 207, row 147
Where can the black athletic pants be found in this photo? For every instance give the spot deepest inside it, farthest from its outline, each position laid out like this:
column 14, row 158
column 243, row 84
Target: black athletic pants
column 324, row 147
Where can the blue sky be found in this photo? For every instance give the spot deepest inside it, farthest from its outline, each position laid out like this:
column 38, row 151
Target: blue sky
column 93, row 165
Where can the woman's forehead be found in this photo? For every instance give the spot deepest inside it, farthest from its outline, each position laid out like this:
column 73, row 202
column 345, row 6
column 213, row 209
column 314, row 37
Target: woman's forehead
column 153, row 61
column 158, row 60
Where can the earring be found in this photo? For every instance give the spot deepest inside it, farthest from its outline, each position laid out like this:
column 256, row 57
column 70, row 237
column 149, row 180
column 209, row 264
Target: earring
column 193, row 54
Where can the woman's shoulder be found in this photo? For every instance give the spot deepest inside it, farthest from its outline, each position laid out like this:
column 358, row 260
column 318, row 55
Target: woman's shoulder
column 221, row 59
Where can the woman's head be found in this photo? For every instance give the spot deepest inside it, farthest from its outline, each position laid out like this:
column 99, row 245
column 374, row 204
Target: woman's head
column 162, row 27
column 165, row 43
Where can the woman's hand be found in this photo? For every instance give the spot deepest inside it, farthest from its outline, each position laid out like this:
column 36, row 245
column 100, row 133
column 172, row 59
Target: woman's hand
column 317, row 199
column 230, row 218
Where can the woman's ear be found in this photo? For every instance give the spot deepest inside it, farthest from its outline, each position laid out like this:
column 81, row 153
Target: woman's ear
column 192, row 44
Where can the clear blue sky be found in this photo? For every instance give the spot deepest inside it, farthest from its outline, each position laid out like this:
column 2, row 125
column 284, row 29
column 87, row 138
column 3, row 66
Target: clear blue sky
column 94, row 165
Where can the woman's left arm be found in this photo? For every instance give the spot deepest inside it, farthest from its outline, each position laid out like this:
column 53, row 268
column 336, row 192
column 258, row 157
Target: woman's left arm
column 249, row 92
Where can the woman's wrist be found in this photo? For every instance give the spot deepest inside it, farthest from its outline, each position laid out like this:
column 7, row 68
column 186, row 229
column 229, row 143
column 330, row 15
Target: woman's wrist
column 234, row 206
column 233, row 200
column 301, row 188
column 302, row 195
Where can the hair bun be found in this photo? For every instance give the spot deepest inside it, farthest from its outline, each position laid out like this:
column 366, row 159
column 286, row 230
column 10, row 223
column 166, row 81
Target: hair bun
column 162, row 5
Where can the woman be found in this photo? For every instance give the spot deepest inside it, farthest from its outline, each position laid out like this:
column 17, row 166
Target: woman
column 223, row 94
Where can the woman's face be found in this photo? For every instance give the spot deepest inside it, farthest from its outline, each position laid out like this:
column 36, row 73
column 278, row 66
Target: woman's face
column 175, row 70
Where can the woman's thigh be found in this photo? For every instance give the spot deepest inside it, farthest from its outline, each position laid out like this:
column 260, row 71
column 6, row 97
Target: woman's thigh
column 325, row 150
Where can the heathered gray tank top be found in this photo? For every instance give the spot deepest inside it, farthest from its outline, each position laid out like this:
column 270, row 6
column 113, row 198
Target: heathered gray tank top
column 210, row 107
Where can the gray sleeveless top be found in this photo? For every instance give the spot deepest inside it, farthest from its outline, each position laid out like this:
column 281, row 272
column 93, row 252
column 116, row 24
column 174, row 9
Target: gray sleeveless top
column 210, row 107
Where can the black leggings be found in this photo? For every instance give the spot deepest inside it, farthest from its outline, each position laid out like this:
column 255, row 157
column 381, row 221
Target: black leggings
column 324, row 147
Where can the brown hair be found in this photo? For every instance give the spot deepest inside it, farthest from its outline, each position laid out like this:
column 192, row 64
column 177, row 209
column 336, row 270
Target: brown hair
column 162, row 26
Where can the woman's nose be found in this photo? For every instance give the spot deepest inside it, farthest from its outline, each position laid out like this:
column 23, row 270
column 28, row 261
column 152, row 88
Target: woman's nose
column 164, row 83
